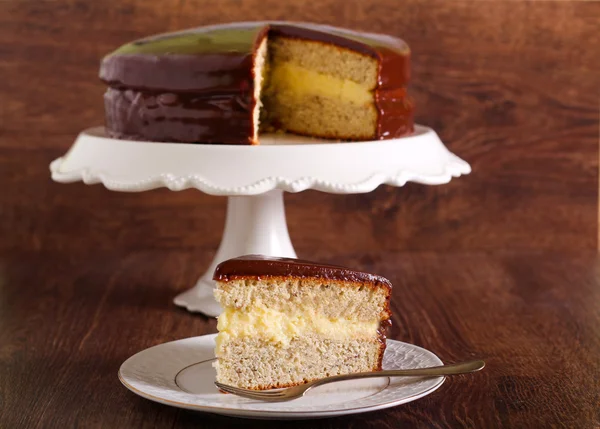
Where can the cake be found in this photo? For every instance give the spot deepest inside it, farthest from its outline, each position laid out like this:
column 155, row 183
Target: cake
column 228, row 83
column 288, row 321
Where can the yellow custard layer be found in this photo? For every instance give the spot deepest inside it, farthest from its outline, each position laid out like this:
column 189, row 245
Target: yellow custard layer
column 275, row 326
column 298, row 81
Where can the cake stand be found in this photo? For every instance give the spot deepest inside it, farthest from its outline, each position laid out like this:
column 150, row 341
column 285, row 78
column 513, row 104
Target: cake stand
column 254, row 178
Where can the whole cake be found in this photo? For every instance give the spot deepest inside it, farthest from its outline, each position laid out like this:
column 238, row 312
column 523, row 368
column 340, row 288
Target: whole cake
column 226, row 83
column 288, row 321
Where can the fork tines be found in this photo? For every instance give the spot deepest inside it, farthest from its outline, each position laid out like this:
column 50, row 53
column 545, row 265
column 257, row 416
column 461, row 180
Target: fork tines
column 252, row 394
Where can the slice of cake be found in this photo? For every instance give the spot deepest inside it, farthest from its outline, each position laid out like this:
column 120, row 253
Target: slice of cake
column 228, row 83
column 288, row 321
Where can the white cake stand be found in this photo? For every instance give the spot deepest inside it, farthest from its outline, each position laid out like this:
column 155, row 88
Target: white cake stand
column 254, row 178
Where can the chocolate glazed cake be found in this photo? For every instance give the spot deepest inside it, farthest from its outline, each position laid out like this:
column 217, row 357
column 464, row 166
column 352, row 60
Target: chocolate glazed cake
column 288, row 321
column 226, row 83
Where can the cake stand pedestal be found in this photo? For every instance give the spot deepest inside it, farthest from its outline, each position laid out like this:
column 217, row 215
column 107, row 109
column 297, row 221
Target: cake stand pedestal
column 254, row 178
column 253, row 225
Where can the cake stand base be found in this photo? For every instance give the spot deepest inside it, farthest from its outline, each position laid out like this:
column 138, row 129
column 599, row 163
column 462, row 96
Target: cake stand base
column 253, row 225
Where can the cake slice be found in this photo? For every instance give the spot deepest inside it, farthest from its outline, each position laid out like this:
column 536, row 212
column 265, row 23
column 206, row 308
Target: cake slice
column 287, row 321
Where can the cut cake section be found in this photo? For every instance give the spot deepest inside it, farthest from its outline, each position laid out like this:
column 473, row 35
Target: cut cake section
column 307, row 95
column 287, row 321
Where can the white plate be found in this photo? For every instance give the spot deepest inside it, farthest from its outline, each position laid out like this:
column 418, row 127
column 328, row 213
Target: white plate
column 180, row 374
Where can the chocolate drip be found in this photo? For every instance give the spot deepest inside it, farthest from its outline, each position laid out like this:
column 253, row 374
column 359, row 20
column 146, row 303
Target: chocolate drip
column 383, row 329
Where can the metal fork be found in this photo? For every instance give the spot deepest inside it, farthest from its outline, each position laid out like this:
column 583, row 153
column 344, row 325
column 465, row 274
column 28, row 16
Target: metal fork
column 299, row 391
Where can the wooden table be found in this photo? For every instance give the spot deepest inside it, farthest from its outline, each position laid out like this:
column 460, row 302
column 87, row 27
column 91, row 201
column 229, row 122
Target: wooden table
column 87, row 276
column 68, row 320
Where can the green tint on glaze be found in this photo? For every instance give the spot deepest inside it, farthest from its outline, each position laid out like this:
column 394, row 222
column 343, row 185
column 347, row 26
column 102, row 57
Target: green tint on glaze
column 240, row 39
column 216, row 41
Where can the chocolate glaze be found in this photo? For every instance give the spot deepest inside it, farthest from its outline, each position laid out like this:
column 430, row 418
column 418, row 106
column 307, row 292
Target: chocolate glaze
column 207, row 74
column 178, row 117
column 267, row 266
column 382, row 331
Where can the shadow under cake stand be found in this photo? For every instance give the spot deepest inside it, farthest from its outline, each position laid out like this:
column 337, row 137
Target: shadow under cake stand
column 254, row 178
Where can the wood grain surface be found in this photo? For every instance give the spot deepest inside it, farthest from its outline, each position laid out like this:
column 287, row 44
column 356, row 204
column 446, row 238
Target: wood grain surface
column 501, row 264
column 512, row 87
column 68, row 320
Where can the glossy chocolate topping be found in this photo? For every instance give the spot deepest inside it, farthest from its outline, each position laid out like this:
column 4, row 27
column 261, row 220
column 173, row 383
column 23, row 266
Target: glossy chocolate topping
column 197, row 85
column 218, row 58
column 384, row 327
column 266, row 266
column 382, row 333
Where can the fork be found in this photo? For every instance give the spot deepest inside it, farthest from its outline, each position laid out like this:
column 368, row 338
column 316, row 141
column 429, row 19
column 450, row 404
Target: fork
column 299, row 391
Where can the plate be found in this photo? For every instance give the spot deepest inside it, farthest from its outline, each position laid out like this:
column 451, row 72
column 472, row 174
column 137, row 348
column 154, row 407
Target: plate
column 180, row 374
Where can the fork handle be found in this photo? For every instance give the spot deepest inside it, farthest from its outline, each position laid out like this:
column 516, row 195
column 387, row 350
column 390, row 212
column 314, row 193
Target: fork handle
column 434, row 371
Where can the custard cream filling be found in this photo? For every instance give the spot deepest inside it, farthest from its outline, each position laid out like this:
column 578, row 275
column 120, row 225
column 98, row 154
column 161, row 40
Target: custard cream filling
column 279, row 327
column 297, row 81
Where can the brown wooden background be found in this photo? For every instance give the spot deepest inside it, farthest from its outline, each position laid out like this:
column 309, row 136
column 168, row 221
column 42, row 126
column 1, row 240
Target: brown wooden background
column 512, row 87
column 87, row 276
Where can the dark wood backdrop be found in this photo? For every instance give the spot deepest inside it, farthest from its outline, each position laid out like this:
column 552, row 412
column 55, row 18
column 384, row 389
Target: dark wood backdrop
column 87, row 276
column 512, row 87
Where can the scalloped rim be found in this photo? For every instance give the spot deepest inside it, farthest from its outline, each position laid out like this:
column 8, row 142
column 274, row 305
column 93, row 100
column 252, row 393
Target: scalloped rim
column 455, row 167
